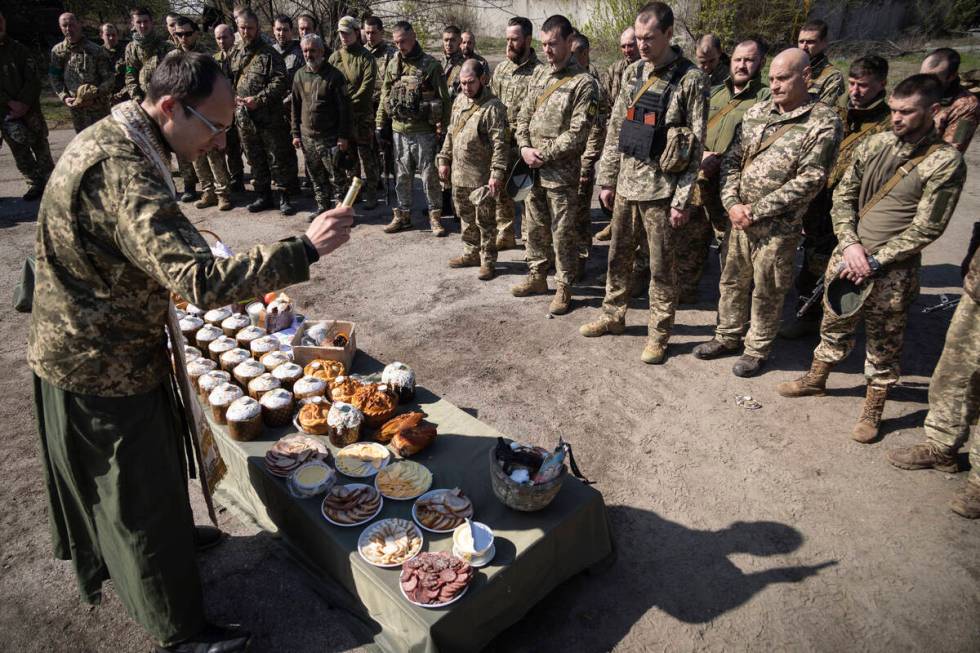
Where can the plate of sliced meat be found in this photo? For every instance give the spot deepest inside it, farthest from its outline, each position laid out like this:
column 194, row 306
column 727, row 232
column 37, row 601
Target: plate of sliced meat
column 292, row 451
column 434, row 580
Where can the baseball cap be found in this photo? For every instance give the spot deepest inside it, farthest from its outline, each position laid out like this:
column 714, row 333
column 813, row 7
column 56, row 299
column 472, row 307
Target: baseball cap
column 348, row 24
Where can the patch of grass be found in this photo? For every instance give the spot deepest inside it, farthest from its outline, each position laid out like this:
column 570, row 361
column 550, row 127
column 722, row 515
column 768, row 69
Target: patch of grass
column 55, row 112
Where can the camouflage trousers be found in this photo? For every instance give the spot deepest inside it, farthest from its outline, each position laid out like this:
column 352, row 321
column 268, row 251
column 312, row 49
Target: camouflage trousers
column 319, row 164
column 367, row 155
column 551, row 235
column 631, row 221
column 885, row 313
column 187, row 173
column 82, row 118
column 756, row 273
column 954, row 392
column 233, row 154
column 692, row 251
column 269, row 150
column 416, row 153
column 505, row 210
column 583, row 217
column 33, row 158
column 212, row 171
column 479, row 233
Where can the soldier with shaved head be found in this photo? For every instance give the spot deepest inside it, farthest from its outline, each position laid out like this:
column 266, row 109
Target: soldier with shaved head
column 81, row 75
column 959, row 114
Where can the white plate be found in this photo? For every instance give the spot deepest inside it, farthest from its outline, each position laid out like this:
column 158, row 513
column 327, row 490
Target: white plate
column 434, row 605
column 433, row 530
column 372, row 472
column 414, row 496
column 381, row 504
column 483, row 561
column 362, row 541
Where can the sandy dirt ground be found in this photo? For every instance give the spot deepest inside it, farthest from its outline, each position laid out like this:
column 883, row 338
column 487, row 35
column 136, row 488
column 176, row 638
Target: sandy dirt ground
column 736, row 529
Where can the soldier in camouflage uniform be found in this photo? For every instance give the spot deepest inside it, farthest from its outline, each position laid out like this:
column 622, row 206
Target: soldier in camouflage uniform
column 467, row 45
column 116, row 53
column 895, row 198
column 258, row 74
column 112, row 246
column 143, row 53
column 959, row 111
column 510, row 83
column 81, row 75
column 552, row 130
column 728, row 103
column 322, row 120
column 415, row 100
column 826, row 82
column 478, row 137
column 712, row 60
column 289, row 49
column 360, row 70
column 865, row 114
column 954, row 398
column 383, row 52
column 452, row 59
column 650, row 184
column 20, row 104
column 777, row 163
column 224, row 36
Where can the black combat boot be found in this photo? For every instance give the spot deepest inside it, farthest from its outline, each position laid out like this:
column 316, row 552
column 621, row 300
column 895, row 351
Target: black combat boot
column 286, row 207
column 263, row 202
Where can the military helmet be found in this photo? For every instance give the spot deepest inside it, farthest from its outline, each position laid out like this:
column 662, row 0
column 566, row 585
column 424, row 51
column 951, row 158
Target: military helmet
column 845, row 297
column 520, row 181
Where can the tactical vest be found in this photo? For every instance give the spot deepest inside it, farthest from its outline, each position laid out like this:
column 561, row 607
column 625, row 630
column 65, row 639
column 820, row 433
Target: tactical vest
column 643, row 134
column 412, row 97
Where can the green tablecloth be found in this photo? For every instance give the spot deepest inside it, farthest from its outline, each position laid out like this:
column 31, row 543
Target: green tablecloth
column 534, row 551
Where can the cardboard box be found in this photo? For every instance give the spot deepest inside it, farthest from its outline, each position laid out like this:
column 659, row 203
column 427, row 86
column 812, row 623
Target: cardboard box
column 302, row 355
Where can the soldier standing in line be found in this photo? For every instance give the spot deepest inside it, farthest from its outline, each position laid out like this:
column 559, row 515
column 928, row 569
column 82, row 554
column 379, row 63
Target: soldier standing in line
column 322, row 121
column 467, row 45
column 865, row 115
column 21, row 121
column 728, row 103
column 712, row 60
column 552, row 131
column 258, row 74
column 649, row 167
column 81, row 75
column 452, row 58
column 590, row 157
column 960, row 113
column 895, row 198
column 307, row 24
column 359, row 69
column 116, row 53
column 954, row 396
column 826, row 82
column 224, row 36
column 170, row 20
column 383, row 52
column 288, row 48
column 415, row 100
column 510, row 83
column 478, row 130
column 778, row 161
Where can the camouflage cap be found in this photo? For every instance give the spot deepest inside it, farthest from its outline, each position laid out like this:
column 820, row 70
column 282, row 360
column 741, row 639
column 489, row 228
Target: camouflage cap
column 348, row 24
column 845, row 298
column 86, row 93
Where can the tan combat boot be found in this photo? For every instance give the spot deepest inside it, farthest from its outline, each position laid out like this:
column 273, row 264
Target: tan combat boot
column 654, row 353
column 487, row 272
column 866, row 428
column 434, row 221
column 562, row 300
column 533, row 284
column 811, row 384
column 966, row 503
column 224, row 203
column 465, row 261
column 926, row 455
column 605, row 234
column 208, row 199
column 400, row 221
column 601, row 326
column 506, row 241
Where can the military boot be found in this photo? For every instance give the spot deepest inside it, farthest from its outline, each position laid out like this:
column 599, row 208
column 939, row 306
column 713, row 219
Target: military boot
column 506, row 241
column 370, row 199
column 436, row 224
column 400, row 221
column 312, row 215
column 263, row 202
column 927, row 455
column 224, row 203
column 601, row 326
column 533, row 284
column 605, row 233
column 714, row 348
column 966, row 503
column 811, row 384
column 867, row 425
column 746, row 366
column 562, row 300
column 487, row 272
column 286, row 206
column 189, row 194
column 654, row 353
column 470, row 260
column 208, row 199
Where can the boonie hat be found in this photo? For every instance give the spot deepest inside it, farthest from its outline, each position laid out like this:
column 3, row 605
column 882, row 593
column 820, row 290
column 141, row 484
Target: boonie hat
column 348, row 24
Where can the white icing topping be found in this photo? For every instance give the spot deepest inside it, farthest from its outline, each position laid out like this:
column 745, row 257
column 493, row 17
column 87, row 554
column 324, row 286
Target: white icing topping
column 208, row 332
column 190, row 353
column 217, row 314
column 274, row 359
column 190, row 323
column 237, row 321
column 200, row 366
column 194, row 310
column 344, row 415
column 278, row 398
column 242, row 409
column 224, row 394
column 249, row 368
column 222, row 343
column 286, row 370
column 251, row 333
column 235, row 356
column 309, row 384
column 265, row 343
column 212, row 380
column 398, row 375
column 263, row 382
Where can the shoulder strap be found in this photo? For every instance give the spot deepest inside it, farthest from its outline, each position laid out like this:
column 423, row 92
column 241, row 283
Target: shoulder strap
column 764, row 145
column 238, row 75
column 903, row 171
column 724, row 111
column 465, row 118
column 679, row 70
column 548, row 91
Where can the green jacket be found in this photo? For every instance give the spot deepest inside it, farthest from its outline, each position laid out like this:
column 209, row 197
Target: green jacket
column 258, row 71
column 74, row 64
column 112, row 245
column 427, row 69
column 320, row 107
column 360, row 70
column 20, row 75
column 142, row 57
column 383, row 53
column 721, row 130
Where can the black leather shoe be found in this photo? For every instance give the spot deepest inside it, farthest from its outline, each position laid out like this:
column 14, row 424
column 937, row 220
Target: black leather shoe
column 206, row 537
column 263, row 202
column 237, row 186
column 286, row 207
column 33, row 193
column 747, row 366
column 189, row 195
column 211, row 639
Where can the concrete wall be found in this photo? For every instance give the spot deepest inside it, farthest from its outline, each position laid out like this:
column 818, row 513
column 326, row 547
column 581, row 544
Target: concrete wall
column 873, row 19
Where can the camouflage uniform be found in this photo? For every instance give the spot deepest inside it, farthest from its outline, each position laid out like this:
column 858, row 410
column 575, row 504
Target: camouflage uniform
column 360, row 70
column 510, row 83
column 708, row 217
column 777, row 183
column 958, row 118
column 451, row 66
column 74, row 64
column 292, row 56
column 826, row 82
column 894, row 231
column 590, row 158
column 117, row 59
column 233, row 144
column 112, row 245
column 383, row 52
column 20, row 79
column 415, row 139
column 558, row 126
column 321, row 114
column 142, row 56
column 258, row 71
column 479, row 138
column 614, row 78
column 645, row 194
